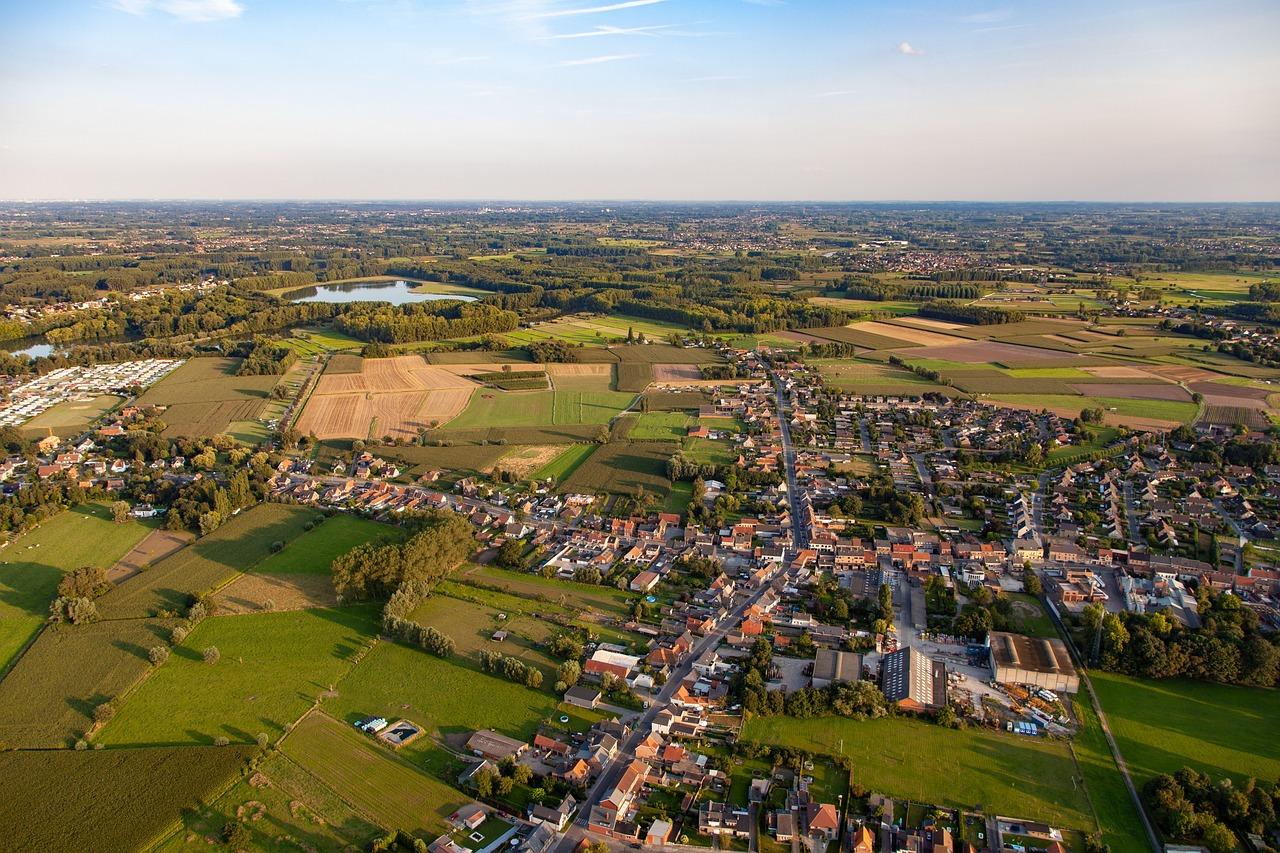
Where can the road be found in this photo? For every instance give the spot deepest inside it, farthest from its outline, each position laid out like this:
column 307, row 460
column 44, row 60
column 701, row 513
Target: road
column 1130, row 518
column 799, row 505
column 1242, row 539
column 926, row 481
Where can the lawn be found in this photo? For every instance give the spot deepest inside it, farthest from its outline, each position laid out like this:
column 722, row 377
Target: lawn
column 315, row 550
column 1218, row 729
column 115, row 799
column 661, row 426
column 237, row 545
column 906, row 758
column 678, row 498
column 273, row 666
column 446, row 696
column 32, row 565
column 1030, row 617
column 566, row 463
column 373, row 780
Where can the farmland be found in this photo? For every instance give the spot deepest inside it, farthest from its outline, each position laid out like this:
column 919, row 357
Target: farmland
column 912, row 759
column 582, row 377
column 860, row 377
column 1218, row 729
column 1118, row 410
column 272, row 668
column 68, row 800
column 204, row 397
column 621, row 467
column 377, row 783
column 71, row 417
column 315, row 550
column 583, row 597
column 535, row 408
column 34, row 563
column 661, row 426
column 388, row 396
column 565, row 463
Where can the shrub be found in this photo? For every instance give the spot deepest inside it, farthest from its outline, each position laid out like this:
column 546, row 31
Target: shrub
column 221, row 740
column 158, row 654
column 211, row 654
column 103, row 712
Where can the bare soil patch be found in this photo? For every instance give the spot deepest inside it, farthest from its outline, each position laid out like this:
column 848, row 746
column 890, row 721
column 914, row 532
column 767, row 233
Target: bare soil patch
column 1181, row 373
column 294, row 591
column 1231, row 395
column 905, row 333
column 155, row 546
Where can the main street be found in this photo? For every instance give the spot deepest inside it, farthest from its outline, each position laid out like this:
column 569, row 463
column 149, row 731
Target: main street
column 799, row 505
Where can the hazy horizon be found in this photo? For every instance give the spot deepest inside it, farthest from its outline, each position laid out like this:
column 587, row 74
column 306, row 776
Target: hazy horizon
column 640, row 100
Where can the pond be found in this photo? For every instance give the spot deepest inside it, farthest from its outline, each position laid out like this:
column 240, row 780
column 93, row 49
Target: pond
column 32, row 350
column 396, row 292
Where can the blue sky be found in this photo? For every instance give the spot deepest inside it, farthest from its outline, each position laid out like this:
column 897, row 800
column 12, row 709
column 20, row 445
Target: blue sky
column 674, row 99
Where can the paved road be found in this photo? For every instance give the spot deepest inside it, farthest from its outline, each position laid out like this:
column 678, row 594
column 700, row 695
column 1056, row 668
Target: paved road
column 1130, row 518
column 799, row 505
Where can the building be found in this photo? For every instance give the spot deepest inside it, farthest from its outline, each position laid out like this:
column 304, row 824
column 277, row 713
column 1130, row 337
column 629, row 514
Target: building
column 1040, row 662
column 582, row 695
column 831, row 665
column 913, row 681
column 490, row 744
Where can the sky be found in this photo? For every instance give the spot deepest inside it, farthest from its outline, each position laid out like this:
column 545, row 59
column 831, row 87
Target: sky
column 1109, row 100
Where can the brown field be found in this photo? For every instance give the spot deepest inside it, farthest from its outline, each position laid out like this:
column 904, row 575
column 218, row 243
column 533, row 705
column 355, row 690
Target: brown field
column 1133, row 391
column 390, row 396
column 1181, row 373
column 923, row 337
column 927, row 323
column 581, row 377
column 1251, row 417
column 1216, row 394
column 676, row 373
column 490, row 367
column 578, row 369
column 155, row 546
column 983, row 352
column 523, row 461
column 292, row 591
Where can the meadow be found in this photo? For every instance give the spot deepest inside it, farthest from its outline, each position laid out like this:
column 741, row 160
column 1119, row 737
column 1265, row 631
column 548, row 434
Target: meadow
column 578, row 596
column 377, row 783
column 491, row 408
column 32, row 565
column 622, row 467
column 205, row 396
column 272, row 667
column 661, row 426
column 1117, row 408
column 65, row 800
column 70, row 418
column 1118, row 817
column 1219, row 729
column 906, row 758
column 472, row 624
column 315, row 550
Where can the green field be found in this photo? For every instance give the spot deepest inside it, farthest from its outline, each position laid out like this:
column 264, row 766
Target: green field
column 1218, row 729
column 32, row 565
column 907, row 758
column 579, row 596
column 205, row 396
column 115, row 799
column 315, row 550
column 373, row 780
column 678, row 498
column 314, row 341
column 472, row 624
column 491, row 408
column 212, row 560
column 861, row 377
column 566, row 463
column 1118, row 817
column 71, row 417
column 622, row 467
column 708, row 452
column 1165, row 410
column 477, row 458
column 661, row 426
column 273, row 667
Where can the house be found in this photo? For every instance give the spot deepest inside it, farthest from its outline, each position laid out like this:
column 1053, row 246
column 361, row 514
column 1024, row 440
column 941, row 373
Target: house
column 613, row 663
column 48, row 444
column 490, row 744
column 144, row 511
column 469, row 816
column 658, row 834
column 583, row 696
column 723, row 819
column 864, row 841
column 645, row 581
column 824, row 821
column 557, row 817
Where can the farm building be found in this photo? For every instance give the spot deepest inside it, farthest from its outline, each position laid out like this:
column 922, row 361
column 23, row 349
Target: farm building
column 831, row 665
column 490, row 744
column 913, row 681
column 1016, row 659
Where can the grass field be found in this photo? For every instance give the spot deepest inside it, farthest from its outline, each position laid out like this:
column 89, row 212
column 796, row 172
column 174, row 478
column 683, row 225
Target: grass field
column 605, row 599
column 566, row 463
column 678, row 498
column 708, row 452
column 592, row 329
column 204, row 396
column 1119, row 407
column 472, row 624
column 32, row 565
column 621, row 467
column 377, row 783
column 491, row 408
column 1118, row 817
column 273, row 667
column 906, row 758
column 116, row 799
column 313, row 341
column 315, row 550
column 1218, row 729
column 477, row 458
column 661, row 426
column 234, row 547
column 861, row 377
column 71, row 417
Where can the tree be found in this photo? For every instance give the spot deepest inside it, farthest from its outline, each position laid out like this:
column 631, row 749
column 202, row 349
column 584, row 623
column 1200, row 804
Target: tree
column 158, row 654
column 103, row 712
column 235, row 835
column 211, row 654
column 569, row 672
column 119, row 511
column 84, row 582
column 1031, row 582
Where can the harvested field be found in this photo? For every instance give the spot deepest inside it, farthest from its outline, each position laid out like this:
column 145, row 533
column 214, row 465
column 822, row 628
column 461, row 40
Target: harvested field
column 917, row 337
column 204, row 396
column 390, row 396
column 293, row 591
column 926, row 323
column 1219, row 394
column 677, row 373
column 1181, row 373
column 1119, row 371
column 634, row 376
column 849, row 335
column 581, row 377
column 524, row 461
column 984, row 352
column 157, row 545
column 665, row 354
column 1134, row 391
column 344, row 363
column 667, row 401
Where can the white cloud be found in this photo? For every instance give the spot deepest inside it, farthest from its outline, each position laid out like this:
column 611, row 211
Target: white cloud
column 194, row 11
column 906, row 49
column 593, row 10
column 597, row 60
column 606, row 30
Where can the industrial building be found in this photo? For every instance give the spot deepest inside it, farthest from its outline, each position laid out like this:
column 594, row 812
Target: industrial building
column 1040, row 662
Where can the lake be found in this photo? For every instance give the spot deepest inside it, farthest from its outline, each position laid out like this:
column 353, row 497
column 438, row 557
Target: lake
column 32, row 350
column 396, row 292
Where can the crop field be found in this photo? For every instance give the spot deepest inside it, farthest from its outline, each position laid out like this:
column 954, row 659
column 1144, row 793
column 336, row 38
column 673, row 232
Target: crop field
column 1219, row 729
column 861, row 377
column 479, row 458
column 204, row 396
column 66, row 800
column 535, row 408
column 282, row 805
column 378, row 784
column 665, row 354
column 70, row 418
column 566, row 462
column 308, row 342
column 445, row 696
column 677, row 373
column 849, row 335
column 344, row 364
column 487, row 357
column 591, row 329
column 661, row 426
column 1119, row 410
column 670, row 401
column 543, row 434
column 257, row 592
column 153, row 547
column 634, row 376
column 234, row 547
column 389, row 396
column 273, row 666
column 1250, row 416
column 316, row 549
column 32, row 565
column 1025, row 777
column 581, row 377
column 47, row 699
column 577, row 596
column 622, row 467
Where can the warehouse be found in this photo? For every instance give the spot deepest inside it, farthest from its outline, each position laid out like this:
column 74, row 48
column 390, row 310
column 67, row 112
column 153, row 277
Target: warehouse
column 1039, row 662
